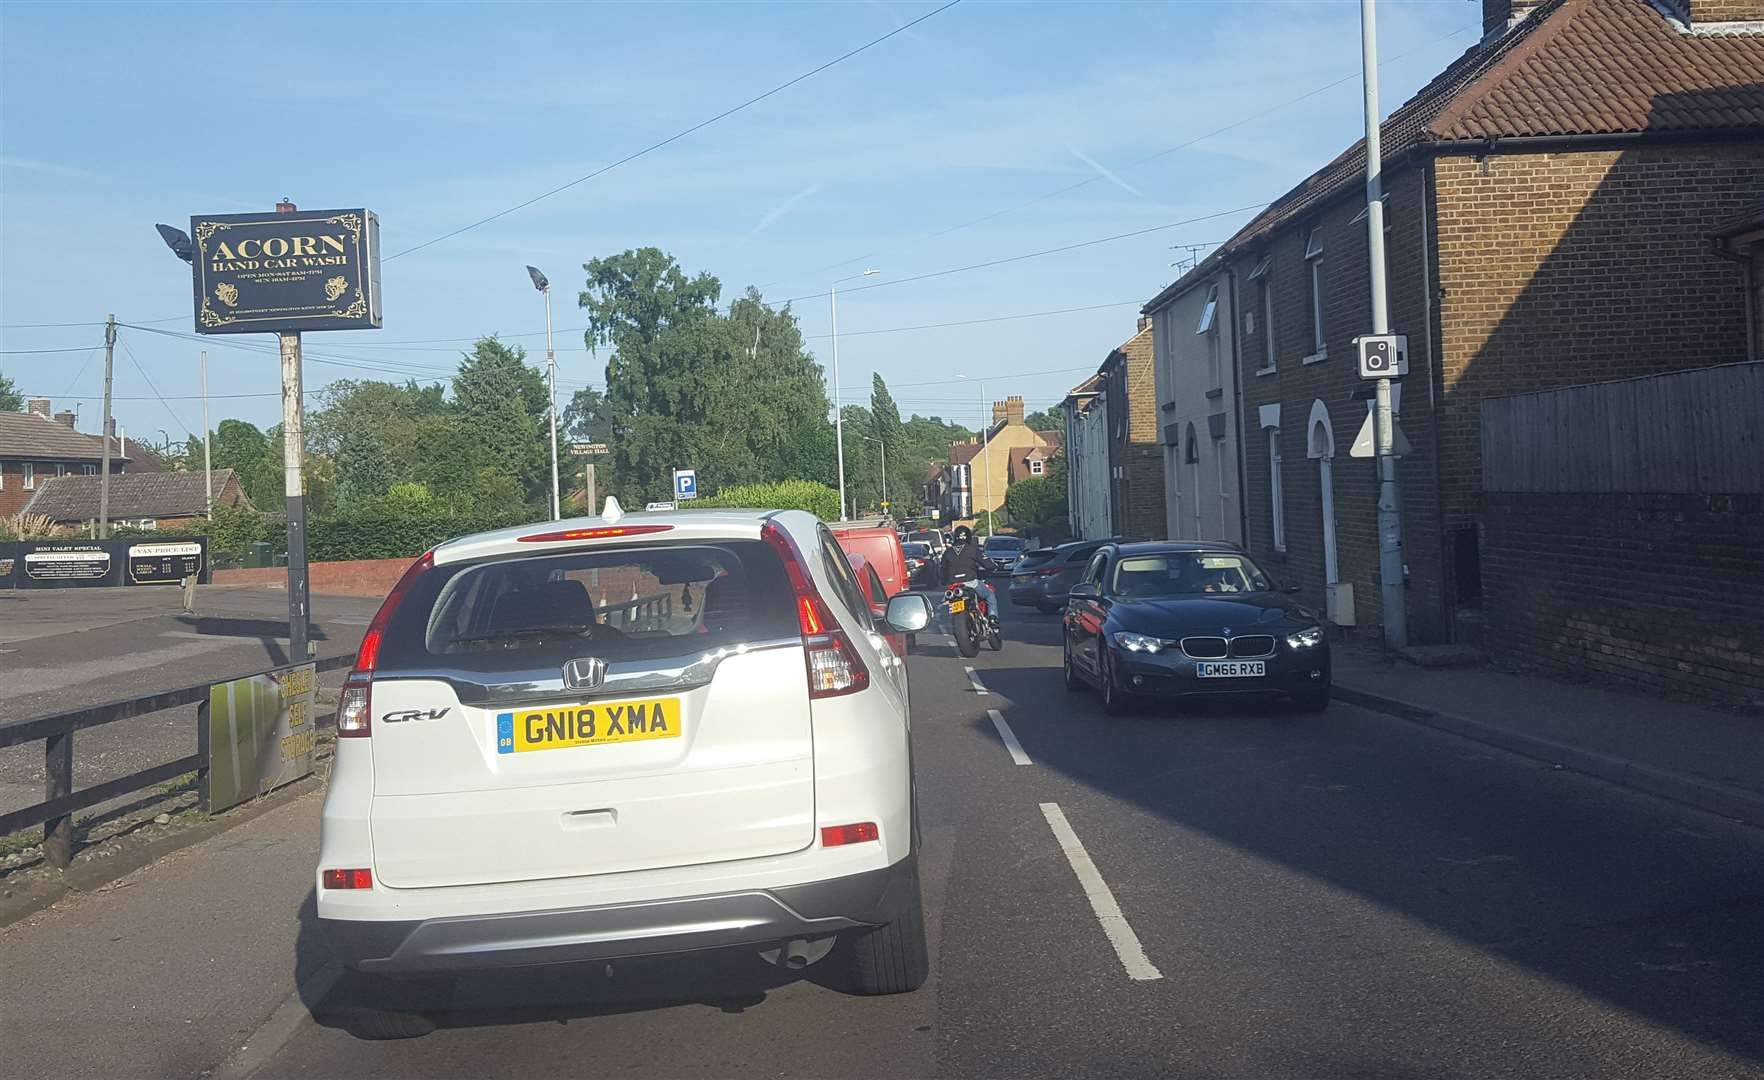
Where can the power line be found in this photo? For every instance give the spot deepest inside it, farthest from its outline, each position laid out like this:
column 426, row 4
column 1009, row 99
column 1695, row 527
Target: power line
column 175, row 417
column 39, row 352
column 681, row 134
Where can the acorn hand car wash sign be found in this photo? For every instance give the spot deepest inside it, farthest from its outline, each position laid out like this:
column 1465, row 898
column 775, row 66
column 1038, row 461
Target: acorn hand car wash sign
column 306, row 270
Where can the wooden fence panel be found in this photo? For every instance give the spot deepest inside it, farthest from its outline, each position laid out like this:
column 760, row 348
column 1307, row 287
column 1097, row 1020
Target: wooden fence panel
column 1689, row 432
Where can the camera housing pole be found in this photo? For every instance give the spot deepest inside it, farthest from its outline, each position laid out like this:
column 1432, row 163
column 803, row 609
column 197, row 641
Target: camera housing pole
column 1390, row 517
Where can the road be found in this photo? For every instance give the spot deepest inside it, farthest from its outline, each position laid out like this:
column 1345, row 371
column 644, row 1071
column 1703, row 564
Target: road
column 1336, row 895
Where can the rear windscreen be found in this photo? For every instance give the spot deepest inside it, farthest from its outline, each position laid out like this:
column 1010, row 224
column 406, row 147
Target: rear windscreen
column 633, row 603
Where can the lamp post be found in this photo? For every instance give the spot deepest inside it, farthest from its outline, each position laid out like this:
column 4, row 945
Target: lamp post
column 985, row 448
column 838, row 412
column 544, row 287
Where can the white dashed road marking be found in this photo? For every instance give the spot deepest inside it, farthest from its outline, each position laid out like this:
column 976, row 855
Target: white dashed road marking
column 1009, row 737
column 974, row 678
column 1102, row 900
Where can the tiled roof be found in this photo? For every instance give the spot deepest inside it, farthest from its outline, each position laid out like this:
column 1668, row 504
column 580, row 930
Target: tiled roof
column 1054, row 439
column 132, row 495
column 1019, row 461
column 962, row 453
column 28, row 435
column 1574, row 67
column 1092, row 385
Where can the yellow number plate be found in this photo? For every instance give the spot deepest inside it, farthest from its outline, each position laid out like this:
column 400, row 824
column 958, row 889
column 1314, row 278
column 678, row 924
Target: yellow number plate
column 956, row 607
column 587, row 725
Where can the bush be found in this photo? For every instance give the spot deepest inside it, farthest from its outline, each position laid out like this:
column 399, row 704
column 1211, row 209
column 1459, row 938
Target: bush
column 398, row 528
column 818, row 499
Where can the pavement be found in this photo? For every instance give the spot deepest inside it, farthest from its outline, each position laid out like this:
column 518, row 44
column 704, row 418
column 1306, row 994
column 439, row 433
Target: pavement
column 1234, row 891
column 1701, row 757
column 62, row 649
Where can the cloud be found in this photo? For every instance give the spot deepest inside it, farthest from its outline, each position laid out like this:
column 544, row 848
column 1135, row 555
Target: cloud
column 1104, row 172
column 783, row 208
column 50, row 168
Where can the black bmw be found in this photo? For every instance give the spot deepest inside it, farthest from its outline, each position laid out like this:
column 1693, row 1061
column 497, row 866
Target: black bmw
column 1170, row 620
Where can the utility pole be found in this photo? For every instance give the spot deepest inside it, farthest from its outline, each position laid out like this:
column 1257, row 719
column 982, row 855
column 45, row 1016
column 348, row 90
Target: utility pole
column 104, row 466
column 551, row 374
column 588, row 487
column 1390, row 515
column 293, row 487
column 207, row 460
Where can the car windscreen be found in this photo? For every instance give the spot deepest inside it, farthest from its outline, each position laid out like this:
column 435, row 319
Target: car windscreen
column 929, row 538
column 628, row 603
column 1004, row 543
column 1184, row 573
column 917, row 550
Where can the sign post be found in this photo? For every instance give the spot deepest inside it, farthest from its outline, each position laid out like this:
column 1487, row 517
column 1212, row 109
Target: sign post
column 285, row 273
column 685, row 484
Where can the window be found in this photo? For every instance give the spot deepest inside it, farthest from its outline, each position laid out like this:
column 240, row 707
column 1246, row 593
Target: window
column 1194, row 500
column 1036, row 467
column 1314, row 256
column 60, row 469
column 30, row 477
column 89, row 470
column 1275, row 491
column 1265, row 304
column 1099, row 564
column 1209, row 325
column 845, row 581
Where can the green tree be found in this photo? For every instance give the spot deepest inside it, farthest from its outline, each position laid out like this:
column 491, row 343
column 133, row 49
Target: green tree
column 249, row 452
column 1030, row 499
column 10, row 399
column 818, row 499
column 499, row 404
column 1052, row 418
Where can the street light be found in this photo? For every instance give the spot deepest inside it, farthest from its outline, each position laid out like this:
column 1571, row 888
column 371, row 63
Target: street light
column 838, row 412
column 178, row 241
column 883, row 443
column 985, row 448
column 544, row 287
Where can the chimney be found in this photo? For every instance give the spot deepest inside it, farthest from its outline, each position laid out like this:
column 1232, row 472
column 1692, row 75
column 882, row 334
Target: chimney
column 38, row 406
column 998, row 412
column 1014, row 409
column 66, row 419
column 286, row 206
column 1144, row 321
column 1498, row 15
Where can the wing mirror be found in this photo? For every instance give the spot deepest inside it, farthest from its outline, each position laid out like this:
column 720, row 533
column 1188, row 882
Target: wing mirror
column 1083, row 590
column 908, row 613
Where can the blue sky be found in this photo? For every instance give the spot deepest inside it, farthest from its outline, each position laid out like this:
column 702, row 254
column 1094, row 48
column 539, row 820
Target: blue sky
column 115, row 116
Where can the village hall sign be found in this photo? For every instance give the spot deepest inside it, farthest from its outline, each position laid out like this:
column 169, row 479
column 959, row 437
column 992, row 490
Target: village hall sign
column 306, row 270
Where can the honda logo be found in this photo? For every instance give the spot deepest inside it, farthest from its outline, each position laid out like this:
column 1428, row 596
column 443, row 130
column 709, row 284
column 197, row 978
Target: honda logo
column 587, row 673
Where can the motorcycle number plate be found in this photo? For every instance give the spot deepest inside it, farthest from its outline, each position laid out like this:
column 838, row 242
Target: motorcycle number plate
column 956, row 607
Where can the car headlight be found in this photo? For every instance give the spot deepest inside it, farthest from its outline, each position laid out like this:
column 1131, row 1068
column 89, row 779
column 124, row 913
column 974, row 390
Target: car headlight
column 1305, row 639
column 1137, row 642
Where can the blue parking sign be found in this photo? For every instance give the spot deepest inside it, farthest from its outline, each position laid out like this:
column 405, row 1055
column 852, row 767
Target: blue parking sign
column 685, row 483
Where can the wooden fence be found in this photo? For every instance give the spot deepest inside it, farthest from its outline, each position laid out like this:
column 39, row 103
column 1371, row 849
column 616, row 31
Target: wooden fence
column 1689, row 432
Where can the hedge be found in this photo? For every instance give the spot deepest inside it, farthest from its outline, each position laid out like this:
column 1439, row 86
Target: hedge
column 818, row 499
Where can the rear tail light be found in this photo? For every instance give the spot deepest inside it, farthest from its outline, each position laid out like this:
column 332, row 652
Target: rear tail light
column 834, row 667
column 604, row 533
column 355, row 709
column 1051, row 571
column 839, row 835
column 355, row 706
column 348, row 879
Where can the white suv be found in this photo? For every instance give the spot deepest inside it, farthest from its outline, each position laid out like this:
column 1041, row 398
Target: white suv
column 624, row 736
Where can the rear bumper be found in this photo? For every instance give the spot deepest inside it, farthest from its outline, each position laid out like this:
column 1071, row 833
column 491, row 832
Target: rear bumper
column 1026, row 593
column 621, row 931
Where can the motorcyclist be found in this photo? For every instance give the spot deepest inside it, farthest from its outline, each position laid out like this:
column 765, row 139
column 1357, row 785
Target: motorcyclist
column 963, row 561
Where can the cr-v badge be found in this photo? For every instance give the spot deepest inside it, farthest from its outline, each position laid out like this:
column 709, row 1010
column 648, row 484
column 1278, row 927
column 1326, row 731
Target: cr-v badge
column 586, row 673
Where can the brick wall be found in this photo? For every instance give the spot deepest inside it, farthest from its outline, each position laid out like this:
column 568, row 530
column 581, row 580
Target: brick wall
column 1660, row 592
column 1560, row 269
column 361, row 577
column 1708, row 11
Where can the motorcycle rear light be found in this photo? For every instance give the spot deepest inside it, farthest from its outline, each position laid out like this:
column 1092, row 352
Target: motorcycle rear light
column 355, row 709
column 348, row 879
column 839, row 835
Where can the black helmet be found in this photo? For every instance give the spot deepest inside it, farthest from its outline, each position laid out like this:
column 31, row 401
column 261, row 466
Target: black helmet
column 963, row 534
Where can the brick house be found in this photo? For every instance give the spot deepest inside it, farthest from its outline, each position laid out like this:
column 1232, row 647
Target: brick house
column 37, row 446
column 969, row 491
column 158, row 500
column 1550, row 203
column 1136, row 461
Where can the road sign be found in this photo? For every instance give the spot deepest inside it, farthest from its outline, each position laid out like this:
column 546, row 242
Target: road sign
column 587, row 449
column 685, row 484
column 1382, row 356
column 1365, row 446
column 655, row 506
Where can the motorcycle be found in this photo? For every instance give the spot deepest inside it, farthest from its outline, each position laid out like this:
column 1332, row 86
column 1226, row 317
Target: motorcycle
column 970, row 619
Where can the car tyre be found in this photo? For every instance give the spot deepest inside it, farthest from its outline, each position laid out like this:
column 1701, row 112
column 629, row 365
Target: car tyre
column 1312, row 701
column 1115, row 701
column 1074, row 682
column 892, row 958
